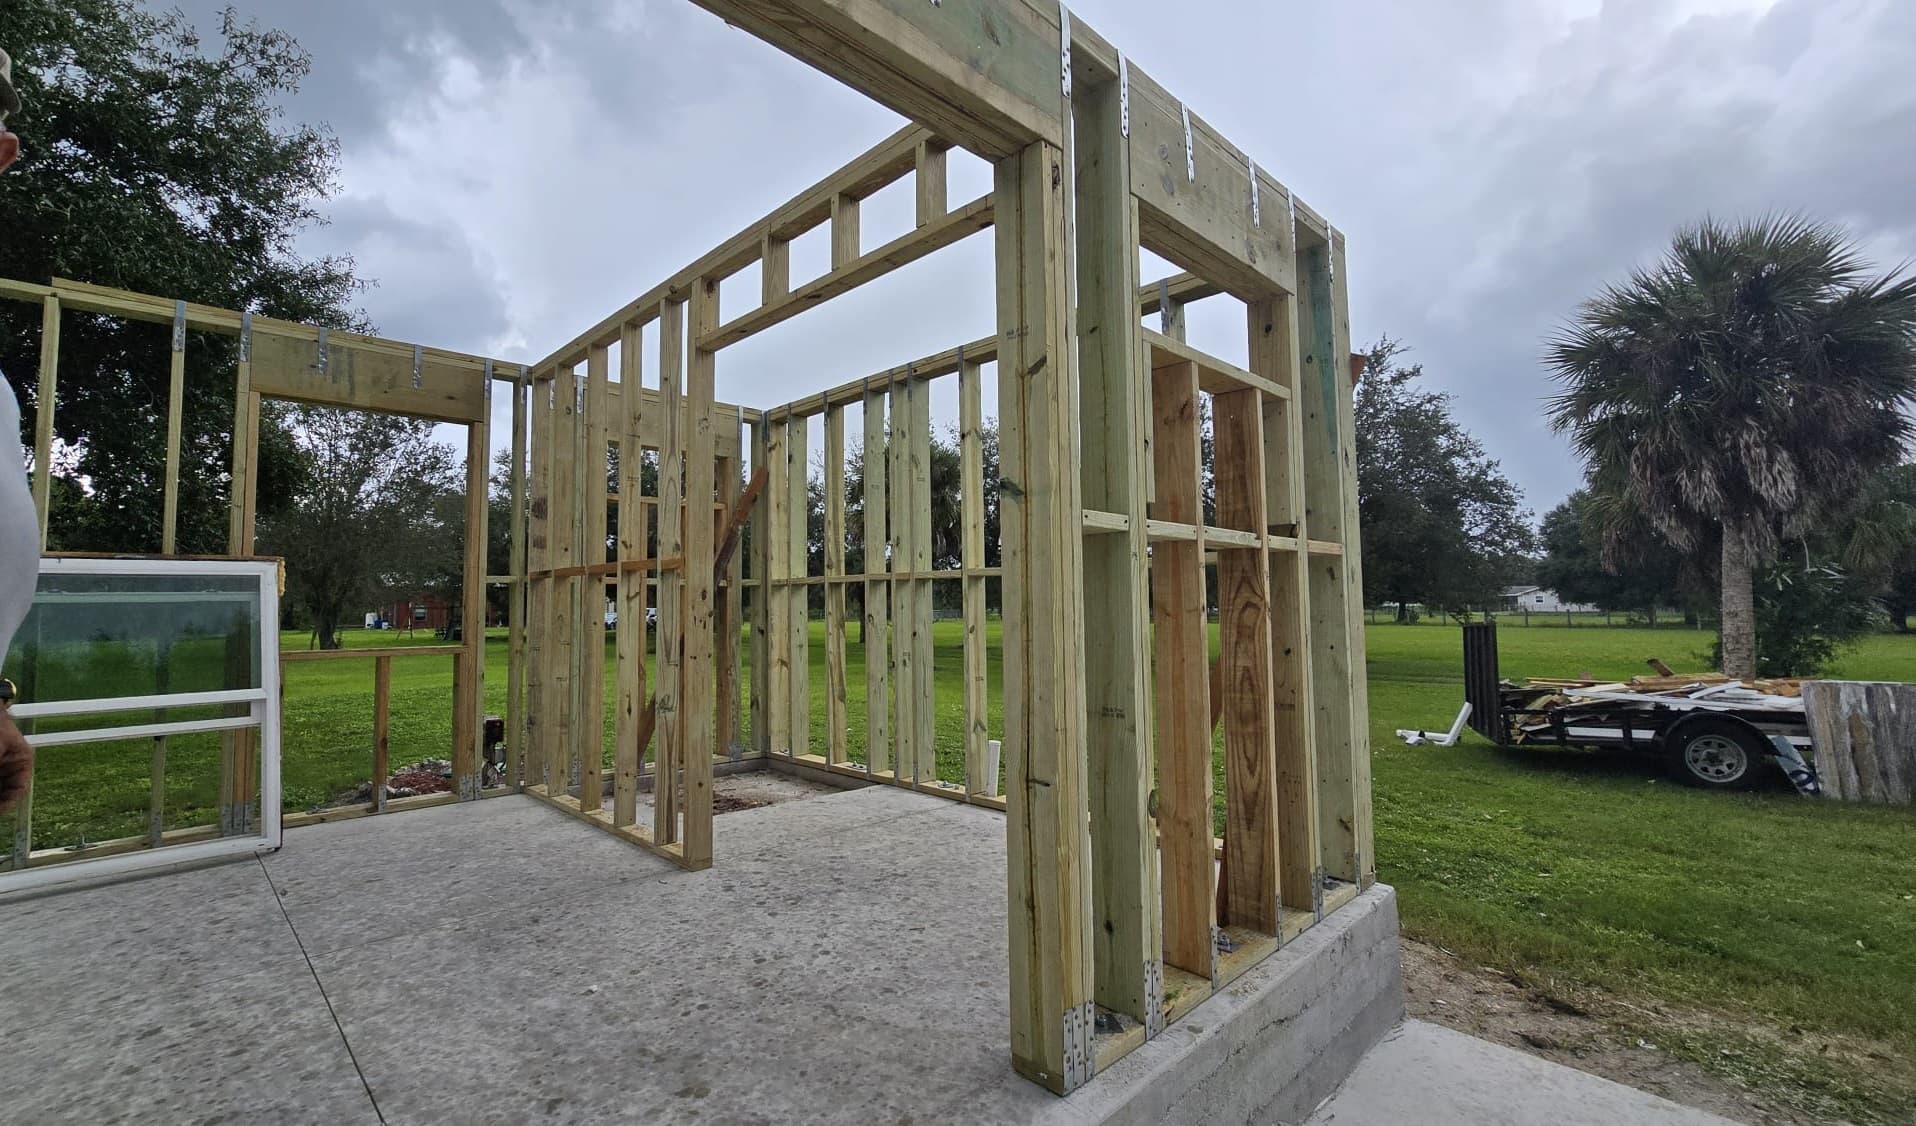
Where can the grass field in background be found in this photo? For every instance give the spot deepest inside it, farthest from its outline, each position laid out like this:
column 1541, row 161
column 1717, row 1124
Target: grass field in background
column 1570, row 869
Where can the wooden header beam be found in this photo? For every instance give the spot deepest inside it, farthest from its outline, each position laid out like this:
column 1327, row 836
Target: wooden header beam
column 890, row 160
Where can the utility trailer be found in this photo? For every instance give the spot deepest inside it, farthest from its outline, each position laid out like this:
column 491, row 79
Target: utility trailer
column 1708, row 730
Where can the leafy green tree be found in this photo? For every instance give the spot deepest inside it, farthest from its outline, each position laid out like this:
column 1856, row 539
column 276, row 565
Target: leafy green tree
column 1807, row 611
column 1739, row 392
column 947, row 511
column 1646, row 578
column 1442, row 525
column 378, row 516
column 154, row 162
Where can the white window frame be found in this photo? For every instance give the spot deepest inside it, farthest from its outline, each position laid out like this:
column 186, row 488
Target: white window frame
column 263, row 712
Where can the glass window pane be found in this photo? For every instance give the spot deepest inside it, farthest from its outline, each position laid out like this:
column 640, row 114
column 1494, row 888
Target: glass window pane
column 98, row 636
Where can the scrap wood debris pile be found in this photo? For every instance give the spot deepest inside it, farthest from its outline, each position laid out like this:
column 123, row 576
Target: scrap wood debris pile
column 1541, row 697
column 1712, row 728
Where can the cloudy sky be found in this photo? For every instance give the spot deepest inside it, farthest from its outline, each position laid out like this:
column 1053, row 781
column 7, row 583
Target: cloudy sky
column 513, row 170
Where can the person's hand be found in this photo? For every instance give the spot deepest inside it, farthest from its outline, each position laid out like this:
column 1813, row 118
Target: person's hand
column 9, row 148
column 16, row 762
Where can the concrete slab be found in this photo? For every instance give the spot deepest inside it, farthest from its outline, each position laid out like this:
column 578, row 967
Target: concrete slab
column 86, row 949
column 1433, row 1075
column 499, row 962
column 260, row 1047
column 352, row 882
column 770, row 989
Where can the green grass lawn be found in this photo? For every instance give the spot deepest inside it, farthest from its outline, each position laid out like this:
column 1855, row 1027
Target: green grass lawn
column 1573, row 870
column 1579, row 869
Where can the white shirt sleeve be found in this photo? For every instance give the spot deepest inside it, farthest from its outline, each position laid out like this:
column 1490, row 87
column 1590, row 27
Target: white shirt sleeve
column 19, row 526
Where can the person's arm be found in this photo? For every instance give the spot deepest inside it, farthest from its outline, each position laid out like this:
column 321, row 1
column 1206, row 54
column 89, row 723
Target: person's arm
column 19, row 572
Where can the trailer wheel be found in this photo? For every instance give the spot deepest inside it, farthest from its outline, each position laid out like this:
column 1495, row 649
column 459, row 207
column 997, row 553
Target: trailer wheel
column 1715, row 754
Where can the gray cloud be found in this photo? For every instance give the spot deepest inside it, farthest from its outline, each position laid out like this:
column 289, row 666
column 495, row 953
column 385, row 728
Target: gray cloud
column 515, row 169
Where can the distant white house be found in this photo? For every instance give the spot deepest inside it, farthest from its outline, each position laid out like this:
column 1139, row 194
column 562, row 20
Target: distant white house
column 1542, row 600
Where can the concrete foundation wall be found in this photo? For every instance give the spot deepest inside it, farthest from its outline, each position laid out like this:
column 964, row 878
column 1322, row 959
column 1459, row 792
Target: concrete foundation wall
column 1276, row 1043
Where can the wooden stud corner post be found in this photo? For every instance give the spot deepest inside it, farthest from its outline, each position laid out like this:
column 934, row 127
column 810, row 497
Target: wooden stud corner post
column 1047, row 820
column 1114, row 436
column 469, row 732
column 1333, row 600
column 698, row 694
column 1365, row 866
column 627, row 754
column 1181, row 649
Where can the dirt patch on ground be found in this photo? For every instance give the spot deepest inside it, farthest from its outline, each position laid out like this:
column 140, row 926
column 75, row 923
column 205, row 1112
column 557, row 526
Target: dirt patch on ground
column 731, row 803
column 1620, row 1040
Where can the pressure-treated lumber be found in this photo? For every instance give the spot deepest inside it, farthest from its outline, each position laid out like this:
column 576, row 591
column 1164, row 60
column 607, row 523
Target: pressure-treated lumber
column 971, row 457
column 469, row 727
column 849, row 273
column 1047, row 825
column 1363, row 869
column 929, row 181
column 986, row 76
column 865, row 174
column 628, row 752
column 175, row 411
column 539, row 732
column 670, row 691
column 698, row 698
column 918, row 500
column 592, row 487
column 837, row 705
column 1180, row 647
column 798, row 616
column 1114, row 427
column 1244, row 634
column 44, row 406
column 761, row 591
column 727, row 607
column 563, row 531
column 1322, row 380
column 1273, row 345
column 778, row 617
column 875, row 457
column 903, row 420
column 517, row 591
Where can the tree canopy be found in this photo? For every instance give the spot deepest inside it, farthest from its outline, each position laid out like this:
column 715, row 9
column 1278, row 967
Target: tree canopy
column 380, row 515
column 1644, row 575
column 1442, row 526
column 1739, row 391
column 155, row 162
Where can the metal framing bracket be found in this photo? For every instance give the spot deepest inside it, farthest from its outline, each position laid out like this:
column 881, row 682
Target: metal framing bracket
column 179, row 326
column 1064, row 44
column 419, row 364
column 1080, row 1063
column 1124, row 96
column 1153, row 997
column 246, row 337
column 1257, row 211
column 1190, row 153
column 325, row 353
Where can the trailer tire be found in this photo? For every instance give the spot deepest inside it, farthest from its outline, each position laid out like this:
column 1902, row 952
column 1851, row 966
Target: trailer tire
column 1712, row 753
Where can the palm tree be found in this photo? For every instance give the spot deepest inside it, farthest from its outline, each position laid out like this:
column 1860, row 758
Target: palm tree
column 1740, row 390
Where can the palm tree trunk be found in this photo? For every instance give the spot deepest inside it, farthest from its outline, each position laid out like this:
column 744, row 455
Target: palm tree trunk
column 1739, row 608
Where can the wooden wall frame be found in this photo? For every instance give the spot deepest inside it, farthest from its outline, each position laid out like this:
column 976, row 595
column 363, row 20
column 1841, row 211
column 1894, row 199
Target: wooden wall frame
column 1119, row 922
